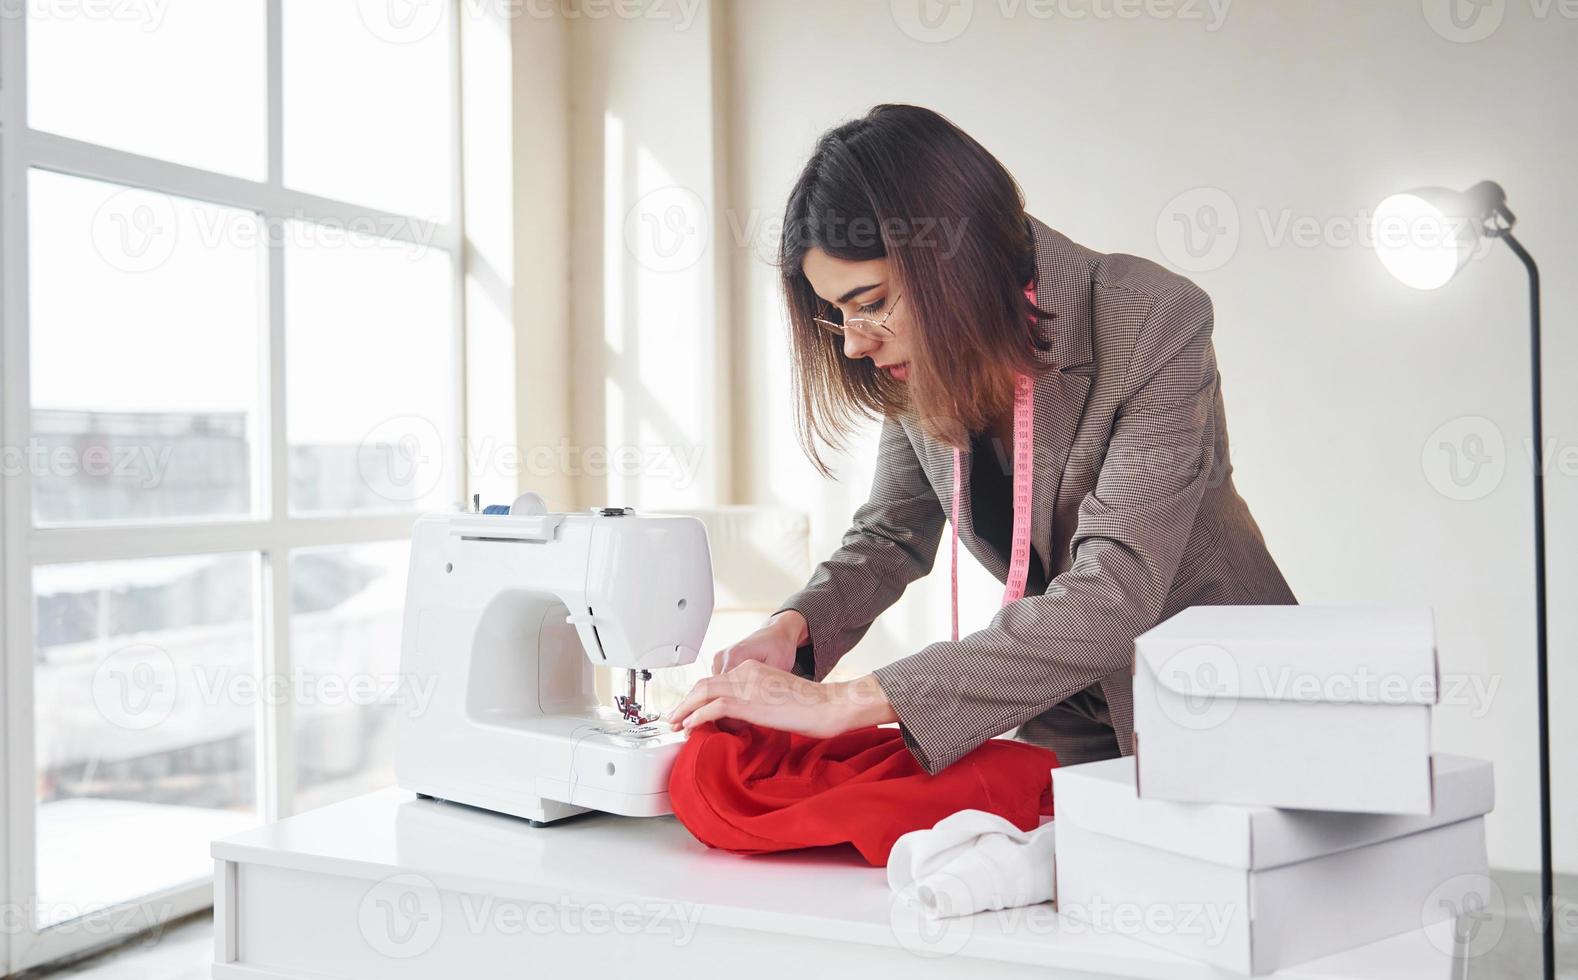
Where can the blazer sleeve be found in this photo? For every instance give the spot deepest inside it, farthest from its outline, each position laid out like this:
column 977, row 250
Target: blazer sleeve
column 891, row 541
column 952, row 696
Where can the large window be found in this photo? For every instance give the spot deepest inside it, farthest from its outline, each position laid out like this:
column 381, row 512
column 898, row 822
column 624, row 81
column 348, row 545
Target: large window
column 232, row 375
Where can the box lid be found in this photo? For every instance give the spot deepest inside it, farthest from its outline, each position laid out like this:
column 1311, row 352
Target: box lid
column 1100, row 797
column 1349, row 654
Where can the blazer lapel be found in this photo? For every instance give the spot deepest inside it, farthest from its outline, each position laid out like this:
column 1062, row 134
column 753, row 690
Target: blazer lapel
column 1062, row 289
column 942, row 477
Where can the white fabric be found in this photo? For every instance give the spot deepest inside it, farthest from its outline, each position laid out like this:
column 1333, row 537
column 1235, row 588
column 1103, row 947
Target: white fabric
column 973, row 861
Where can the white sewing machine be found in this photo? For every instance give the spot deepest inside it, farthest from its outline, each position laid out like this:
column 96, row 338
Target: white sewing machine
column 507, row 615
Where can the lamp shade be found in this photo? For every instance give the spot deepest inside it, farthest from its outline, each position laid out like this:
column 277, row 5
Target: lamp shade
column 1418, row 239
column 1423, row 236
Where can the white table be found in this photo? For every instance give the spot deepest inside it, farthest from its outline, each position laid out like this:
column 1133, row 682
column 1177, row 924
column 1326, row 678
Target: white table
column 388, row 886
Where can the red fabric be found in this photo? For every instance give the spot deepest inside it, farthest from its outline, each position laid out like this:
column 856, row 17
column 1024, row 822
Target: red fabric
column 753, row 790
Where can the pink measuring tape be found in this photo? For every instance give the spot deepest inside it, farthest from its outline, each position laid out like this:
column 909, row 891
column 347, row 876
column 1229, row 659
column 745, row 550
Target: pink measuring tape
column 1024, row 440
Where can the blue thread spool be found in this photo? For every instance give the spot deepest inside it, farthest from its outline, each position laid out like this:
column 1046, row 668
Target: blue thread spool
column 496, row 509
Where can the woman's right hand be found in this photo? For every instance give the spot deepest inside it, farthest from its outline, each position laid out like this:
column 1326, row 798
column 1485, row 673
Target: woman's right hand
column 774, row 644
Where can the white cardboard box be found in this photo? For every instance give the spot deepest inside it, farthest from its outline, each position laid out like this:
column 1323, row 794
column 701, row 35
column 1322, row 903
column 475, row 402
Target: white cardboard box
column 1316, row 707
column 1255, row 889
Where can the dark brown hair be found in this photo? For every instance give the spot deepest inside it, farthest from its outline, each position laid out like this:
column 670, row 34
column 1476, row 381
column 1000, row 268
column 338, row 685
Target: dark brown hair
column 904, row 183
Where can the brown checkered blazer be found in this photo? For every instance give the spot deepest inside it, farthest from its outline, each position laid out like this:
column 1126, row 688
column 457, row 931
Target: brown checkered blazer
column 1134, row 514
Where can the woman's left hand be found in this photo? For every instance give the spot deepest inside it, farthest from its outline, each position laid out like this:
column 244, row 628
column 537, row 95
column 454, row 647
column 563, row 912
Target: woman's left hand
column 773, row 698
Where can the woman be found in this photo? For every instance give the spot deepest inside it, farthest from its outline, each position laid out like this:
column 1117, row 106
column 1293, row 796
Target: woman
column 920, row 291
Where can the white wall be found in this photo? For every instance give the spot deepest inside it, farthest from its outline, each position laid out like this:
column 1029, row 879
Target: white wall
column 644, row 283
column 1335, row 375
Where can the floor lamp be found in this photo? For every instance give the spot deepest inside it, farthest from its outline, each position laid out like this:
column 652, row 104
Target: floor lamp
column 1424, row 237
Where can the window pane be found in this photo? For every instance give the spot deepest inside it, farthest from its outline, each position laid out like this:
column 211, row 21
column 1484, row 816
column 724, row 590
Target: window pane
column 146, row 317
column 370, row 359
column 368, row 103
column 144, row 719
column 345, row 645
column 182, row 80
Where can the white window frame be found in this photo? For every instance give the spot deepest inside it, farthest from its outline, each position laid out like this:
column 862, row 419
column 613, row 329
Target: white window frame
column 273, row 535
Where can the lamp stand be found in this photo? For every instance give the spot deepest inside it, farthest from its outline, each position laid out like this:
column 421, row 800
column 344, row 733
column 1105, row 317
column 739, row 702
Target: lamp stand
column 1541, row 682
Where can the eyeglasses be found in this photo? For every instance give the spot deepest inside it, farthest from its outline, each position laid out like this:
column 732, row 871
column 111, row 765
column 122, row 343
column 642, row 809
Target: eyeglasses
column 860, row 326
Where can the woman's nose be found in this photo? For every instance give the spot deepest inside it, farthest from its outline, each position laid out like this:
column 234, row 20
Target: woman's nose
column 857, row 347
